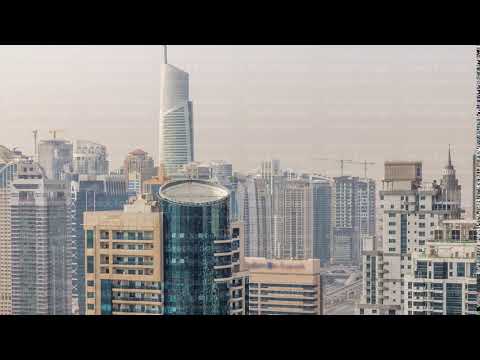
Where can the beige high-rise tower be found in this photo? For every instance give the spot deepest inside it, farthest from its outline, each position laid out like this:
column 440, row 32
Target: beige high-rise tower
column 124, row 260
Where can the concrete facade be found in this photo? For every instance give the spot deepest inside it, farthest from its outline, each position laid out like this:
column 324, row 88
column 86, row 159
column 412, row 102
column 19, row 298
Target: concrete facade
column 285, row 287
column 124, row 261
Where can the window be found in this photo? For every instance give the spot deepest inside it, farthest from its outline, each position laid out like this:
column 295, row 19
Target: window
column 421, row 233
column 473, row 269
column 90, row 283
column 421, row 272
column 455, row 234
column 454, row 299
column 90, row 295
column 460, row 269
column 392, row 215
column 392, row 223
column 440, row 270
column 471, row 235
column 391, row 232
column 391, row 241
column 438, row 235
column 90, row 239
column 90, row 306
column 90, row 265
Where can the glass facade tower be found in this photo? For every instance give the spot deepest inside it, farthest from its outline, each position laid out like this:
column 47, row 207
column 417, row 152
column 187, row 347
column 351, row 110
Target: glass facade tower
column 198, row 253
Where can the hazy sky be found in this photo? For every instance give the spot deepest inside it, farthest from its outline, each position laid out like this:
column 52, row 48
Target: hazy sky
column 254, row 102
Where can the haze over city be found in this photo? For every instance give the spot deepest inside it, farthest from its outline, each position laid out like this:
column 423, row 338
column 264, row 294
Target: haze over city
column 372, row 103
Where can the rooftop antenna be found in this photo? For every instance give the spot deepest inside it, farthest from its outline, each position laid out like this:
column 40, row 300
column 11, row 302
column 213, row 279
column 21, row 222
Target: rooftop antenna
column 35, row 136
column 449, row 156
column 165, row 54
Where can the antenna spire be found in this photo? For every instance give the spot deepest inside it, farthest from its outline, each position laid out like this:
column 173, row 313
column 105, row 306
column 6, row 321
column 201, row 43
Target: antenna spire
column 449, row 157
column 165, row 54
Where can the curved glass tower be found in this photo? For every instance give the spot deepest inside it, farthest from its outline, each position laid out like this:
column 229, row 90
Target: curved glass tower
column 176, row 119
column 197, row 248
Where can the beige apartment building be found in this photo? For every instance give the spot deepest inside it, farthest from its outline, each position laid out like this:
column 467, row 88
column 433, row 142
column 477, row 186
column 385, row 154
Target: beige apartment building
column 123, row 260
column 285, row 287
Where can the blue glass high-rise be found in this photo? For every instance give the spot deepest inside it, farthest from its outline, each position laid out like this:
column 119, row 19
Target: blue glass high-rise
column 197, row 248
column 99, row 193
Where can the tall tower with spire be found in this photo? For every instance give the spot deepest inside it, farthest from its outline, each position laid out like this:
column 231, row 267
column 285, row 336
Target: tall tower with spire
column 449, row 195
column 176, row 119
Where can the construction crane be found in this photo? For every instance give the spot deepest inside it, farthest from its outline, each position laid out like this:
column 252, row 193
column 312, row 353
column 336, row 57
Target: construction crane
column 54, row 133
column 341, row 161
column 365, row 164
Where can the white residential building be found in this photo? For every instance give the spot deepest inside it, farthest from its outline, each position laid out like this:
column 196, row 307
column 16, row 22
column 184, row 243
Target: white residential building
column 411, row 212
column 41, row 243
column 441, row 279
column 176, row 119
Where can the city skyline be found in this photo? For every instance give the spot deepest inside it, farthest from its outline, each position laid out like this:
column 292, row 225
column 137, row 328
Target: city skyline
column 250, row 98
column 294, row 141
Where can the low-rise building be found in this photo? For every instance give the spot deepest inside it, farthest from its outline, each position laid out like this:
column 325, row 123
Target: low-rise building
column 285, row 287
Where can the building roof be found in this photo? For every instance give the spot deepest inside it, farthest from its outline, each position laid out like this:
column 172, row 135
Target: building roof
column 6, row 155
column 137, row 152
column 193, row 191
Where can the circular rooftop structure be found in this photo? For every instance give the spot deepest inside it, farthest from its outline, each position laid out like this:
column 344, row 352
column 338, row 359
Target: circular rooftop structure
column 193, row 192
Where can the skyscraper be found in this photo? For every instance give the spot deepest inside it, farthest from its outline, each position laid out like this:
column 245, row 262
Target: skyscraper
column 412, row 210
column 124, row 260
column 222, row 172
column 138, row 167
column 56, row 158
column 176, row 145
column 201, row 255
column 354, row 217
column 297, row 220
column 90, row 158
column 132, row 267
column 441, row 279
column 321, row 218
column 91, row 193
column 8, row 170
column 41, row 245
column 476, row 204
